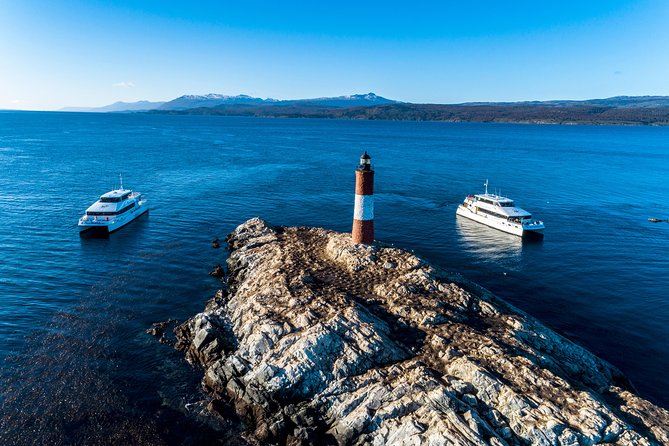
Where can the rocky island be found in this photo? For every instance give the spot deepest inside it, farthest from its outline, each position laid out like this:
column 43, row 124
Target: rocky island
column 315, row 340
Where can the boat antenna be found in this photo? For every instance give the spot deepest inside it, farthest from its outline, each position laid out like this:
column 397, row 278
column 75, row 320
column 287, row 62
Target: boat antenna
column 486, row 186
column 121, row 178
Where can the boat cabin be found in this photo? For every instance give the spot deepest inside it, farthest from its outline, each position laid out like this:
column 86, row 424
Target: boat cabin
column 115, row 196
column 495, row 200
column 500, row 207
column 113, row 203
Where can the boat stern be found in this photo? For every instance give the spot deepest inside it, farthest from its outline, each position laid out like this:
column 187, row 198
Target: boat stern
column 533, row 228
column 88, row 224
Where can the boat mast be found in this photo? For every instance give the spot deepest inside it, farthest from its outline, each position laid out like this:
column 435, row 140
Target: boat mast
column 121, row 178
column 486, row 186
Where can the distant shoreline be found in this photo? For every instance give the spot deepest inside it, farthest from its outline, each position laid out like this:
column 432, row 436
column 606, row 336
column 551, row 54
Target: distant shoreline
column 617, row 110
column 506, row 114
column 647, row 117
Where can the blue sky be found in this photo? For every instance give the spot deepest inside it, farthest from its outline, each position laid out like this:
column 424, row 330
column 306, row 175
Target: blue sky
column 56, row 53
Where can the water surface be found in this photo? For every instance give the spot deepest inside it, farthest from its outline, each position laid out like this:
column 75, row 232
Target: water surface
column 76, row 365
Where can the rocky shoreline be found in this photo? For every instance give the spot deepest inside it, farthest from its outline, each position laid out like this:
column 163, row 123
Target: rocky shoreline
column 315, row 340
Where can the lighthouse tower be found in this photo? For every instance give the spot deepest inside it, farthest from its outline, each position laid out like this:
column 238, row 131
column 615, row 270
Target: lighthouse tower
column 363, row 215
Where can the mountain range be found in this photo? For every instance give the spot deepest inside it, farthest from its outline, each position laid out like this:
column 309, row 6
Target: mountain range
column 213, row 100
column 627, row 110
column 117, row 107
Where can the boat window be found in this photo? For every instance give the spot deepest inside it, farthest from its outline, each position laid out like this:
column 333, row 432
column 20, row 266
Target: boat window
column 494, row 214
column 110, row 199
column 507, row 204
column 125, row 209
column 115, row 199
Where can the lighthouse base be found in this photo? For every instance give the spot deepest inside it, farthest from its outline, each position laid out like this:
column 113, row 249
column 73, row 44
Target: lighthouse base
column 363, row 232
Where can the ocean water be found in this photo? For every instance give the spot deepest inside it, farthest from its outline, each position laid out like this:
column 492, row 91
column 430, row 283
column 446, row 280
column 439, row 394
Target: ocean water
column 76, row 365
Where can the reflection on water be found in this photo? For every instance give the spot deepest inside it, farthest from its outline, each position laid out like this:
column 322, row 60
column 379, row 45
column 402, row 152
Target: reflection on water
column 489, row 244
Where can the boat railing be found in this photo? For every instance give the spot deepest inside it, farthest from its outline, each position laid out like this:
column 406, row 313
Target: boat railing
column 95, row 221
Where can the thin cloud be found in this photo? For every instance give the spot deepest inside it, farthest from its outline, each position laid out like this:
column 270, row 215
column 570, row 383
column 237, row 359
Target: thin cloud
column 16, row 101
column 123, row 84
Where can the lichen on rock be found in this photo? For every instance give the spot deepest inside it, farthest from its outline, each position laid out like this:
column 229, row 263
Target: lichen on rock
column 319, row 341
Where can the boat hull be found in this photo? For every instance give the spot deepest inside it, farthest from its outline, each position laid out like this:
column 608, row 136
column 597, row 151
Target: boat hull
column 502, row 225
column 104, row 227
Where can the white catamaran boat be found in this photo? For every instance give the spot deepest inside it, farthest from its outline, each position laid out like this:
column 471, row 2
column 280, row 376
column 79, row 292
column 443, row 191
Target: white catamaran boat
column 113, row 210
column 500, row 213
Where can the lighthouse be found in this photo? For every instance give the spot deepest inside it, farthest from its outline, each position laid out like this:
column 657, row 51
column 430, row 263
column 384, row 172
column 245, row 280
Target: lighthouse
column 363, row 215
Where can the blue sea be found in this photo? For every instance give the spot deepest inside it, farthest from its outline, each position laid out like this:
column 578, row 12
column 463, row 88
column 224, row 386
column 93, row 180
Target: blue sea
column 76, row 366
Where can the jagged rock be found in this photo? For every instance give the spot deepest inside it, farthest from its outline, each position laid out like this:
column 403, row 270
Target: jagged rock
column 215, row 243
column 319, row 341
column 158, row 330
column 218, row 272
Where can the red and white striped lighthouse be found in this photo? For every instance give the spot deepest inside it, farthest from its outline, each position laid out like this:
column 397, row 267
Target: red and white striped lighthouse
column 363, row 215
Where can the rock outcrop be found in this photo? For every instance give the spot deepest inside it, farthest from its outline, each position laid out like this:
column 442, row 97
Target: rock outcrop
column 318, row 341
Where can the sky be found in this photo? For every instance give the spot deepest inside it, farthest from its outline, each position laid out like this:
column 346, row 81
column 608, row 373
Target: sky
column 57, row 53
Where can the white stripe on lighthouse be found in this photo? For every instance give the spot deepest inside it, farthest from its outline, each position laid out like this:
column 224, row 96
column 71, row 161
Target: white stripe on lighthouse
column 364, row 207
